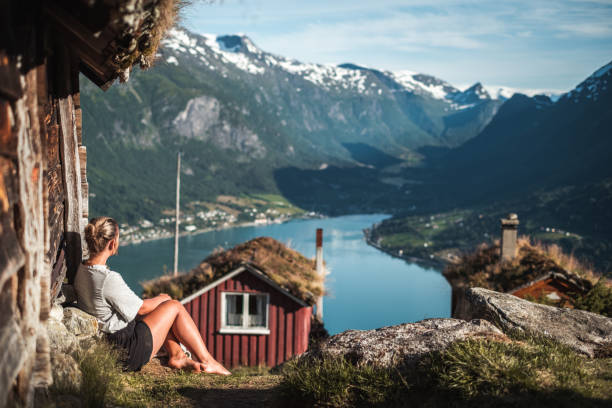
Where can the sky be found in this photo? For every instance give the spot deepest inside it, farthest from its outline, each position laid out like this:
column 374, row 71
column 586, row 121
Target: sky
column 525, row 44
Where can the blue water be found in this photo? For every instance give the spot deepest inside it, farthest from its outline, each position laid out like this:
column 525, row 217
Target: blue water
column 367, row 288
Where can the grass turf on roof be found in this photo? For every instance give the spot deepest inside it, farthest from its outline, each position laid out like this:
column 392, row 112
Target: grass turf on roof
column 286, row 267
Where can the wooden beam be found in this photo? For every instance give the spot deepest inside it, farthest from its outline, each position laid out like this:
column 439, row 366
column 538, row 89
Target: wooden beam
column 72, row 186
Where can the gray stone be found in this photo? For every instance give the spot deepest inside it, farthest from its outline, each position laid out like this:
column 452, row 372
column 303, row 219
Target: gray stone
column 402, row 344
column 583, row 331
column 60, row 339
column 56, row 312
column 67, row 375
column 80, row 323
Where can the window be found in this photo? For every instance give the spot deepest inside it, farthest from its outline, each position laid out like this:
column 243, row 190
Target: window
column 244, row 313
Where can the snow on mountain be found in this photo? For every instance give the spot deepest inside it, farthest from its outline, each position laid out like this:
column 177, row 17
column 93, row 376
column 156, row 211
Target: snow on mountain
column 592, row 87
column 433, row 86
column 241, row 52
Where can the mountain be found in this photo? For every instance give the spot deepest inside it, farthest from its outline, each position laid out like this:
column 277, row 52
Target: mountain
column 534, row 143
column 239, row 114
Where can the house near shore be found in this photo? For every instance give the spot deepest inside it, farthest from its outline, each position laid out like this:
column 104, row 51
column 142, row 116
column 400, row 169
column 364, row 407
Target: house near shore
column 44, row 47
column 253, row 304
column 555, row 287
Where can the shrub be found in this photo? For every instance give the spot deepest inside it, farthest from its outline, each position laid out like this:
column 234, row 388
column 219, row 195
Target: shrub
column 101, row 374
column 597, row 300
column 338, row 383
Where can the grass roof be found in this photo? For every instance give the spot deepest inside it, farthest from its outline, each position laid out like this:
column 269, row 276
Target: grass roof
column 286, row 267
column 482, row 268
column 141, row 27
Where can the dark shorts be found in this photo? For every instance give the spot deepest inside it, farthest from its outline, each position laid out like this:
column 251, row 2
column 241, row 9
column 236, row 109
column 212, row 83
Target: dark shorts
column 137, row 341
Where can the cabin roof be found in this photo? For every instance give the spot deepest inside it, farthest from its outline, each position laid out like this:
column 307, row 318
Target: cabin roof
column 244, row 268
column 573, row 281
column 263, row 256
column 110, row 36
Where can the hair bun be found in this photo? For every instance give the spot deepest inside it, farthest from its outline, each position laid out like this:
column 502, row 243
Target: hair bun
column 99, row 232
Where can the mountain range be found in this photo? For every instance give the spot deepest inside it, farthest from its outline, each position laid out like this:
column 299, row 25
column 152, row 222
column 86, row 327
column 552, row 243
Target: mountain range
column 248, row 121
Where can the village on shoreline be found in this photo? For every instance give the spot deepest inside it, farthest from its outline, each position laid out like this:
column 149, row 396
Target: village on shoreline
column 226, row 212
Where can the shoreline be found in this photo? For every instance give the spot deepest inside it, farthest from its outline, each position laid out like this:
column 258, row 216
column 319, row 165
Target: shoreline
column 126, row 242
column 434, row 263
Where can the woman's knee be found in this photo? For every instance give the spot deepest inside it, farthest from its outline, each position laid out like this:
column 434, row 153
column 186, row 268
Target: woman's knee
column 172, row 303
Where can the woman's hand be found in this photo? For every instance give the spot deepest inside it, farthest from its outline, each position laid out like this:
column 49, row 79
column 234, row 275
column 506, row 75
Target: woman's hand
column 163, row 297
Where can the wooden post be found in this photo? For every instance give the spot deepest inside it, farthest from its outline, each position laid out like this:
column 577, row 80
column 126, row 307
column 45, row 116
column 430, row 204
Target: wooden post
column 320, row 270
column 178, row 196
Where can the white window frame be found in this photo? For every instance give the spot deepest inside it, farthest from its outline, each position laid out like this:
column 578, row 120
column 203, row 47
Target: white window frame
column 225, row 329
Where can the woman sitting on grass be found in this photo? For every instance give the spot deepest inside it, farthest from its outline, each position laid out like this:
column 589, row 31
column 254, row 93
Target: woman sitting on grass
column 139, row 326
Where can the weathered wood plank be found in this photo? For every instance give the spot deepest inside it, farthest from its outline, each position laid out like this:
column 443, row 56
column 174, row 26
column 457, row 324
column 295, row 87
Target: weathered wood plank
column 11, row 254
column 8, row 143
column 79, row 125
column 83, row 163
column 72, row 185
column 31, row 228
column 53, row 158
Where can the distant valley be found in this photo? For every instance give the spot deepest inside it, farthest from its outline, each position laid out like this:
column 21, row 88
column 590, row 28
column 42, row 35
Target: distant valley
column 244, row 118
column 345, row 139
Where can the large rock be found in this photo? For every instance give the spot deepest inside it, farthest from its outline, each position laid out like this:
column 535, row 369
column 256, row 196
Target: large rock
column 60, row 339
column 402, row 344
column 583, row 331
column 79, row 323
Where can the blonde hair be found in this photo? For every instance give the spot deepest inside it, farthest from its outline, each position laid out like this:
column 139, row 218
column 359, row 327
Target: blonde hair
column 99, row 232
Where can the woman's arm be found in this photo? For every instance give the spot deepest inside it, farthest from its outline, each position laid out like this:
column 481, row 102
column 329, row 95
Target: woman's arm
column 148, row 305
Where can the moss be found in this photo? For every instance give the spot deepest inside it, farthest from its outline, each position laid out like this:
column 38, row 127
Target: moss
column 483, row 268
column 286, row 267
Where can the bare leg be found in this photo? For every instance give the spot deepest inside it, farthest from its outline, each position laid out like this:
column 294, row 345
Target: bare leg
column 176, row 356
column 171, row 316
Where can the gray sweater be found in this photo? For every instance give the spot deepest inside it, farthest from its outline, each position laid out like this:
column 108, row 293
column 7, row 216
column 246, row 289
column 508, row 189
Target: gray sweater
column 105, row 295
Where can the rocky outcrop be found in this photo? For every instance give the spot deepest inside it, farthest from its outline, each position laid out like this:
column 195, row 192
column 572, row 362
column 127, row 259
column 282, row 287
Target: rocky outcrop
column 78, row 322
column 70, row 330
column 404, row 344
column 583, row 331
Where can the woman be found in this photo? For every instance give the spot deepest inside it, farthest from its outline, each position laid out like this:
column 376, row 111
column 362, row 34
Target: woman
column 142, row 327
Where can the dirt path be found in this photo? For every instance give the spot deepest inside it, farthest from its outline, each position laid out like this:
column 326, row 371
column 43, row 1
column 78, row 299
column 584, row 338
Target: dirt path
column 159, row 386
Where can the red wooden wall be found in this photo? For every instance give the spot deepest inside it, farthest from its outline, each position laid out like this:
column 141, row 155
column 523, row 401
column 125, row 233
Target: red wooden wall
column 288, row 321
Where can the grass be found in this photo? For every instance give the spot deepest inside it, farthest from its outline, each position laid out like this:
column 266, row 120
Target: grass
column 158, row 386
column 336, row 382
column 286, row 267
column 523, row 372
column 101, row 377
column 483, row 268
column 104, row 383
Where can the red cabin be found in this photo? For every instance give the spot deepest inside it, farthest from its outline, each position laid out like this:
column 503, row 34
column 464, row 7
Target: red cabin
column 246, row 319
column 253, row 304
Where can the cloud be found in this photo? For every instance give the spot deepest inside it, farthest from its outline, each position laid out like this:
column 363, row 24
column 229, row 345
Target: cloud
column 455, row 38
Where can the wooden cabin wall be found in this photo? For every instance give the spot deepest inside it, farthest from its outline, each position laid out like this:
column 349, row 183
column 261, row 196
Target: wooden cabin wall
column 288, row 321
column 41, row 202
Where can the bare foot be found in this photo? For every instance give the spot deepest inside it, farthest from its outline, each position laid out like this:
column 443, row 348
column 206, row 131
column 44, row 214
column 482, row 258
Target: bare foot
column 184, row 363
column 214, row 367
